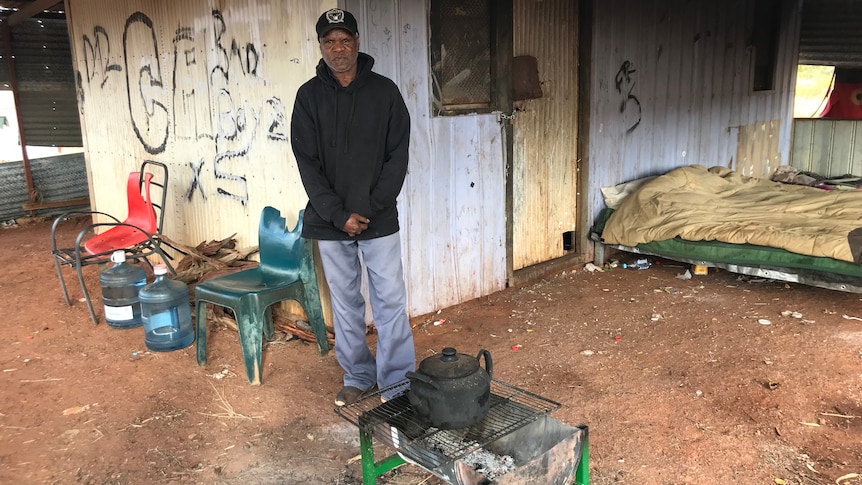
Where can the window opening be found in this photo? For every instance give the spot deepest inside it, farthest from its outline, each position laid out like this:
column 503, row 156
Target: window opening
column 764, row 40
column 461, row 54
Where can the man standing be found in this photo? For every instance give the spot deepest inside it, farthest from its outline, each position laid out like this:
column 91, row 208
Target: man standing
column 350, row 132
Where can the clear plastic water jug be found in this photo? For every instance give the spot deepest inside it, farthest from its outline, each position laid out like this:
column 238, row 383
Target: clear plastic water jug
column 166, row 312
column 121, row 284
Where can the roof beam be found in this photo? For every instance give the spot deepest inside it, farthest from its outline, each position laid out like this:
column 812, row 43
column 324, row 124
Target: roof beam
column 30, row 10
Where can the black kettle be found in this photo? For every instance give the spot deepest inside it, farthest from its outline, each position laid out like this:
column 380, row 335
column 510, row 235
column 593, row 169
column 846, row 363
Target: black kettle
column 451, row 390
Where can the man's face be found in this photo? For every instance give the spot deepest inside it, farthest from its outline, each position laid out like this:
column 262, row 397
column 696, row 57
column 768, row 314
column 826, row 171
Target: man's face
column 339, row 50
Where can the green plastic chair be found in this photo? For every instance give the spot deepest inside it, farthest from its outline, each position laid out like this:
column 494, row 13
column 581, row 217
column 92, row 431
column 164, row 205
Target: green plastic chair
column 286, row 272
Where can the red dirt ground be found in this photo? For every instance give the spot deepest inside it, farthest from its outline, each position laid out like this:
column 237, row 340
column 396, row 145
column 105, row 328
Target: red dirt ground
column 676, row 379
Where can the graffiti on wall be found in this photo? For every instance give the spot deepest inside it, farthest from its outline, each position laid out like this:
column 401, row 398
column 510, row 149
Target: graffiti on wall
column 97, row 57
column 630, row 106
column 188, row 98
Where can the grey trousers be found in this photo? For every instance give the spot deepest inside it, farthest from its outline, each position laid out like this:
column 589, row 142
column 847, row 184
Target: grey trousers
column 388, row 295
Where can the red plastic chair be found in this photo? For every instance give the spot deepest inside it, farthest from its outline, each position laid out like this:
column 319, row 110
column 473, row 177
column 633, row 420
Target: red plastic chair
column 138, row 234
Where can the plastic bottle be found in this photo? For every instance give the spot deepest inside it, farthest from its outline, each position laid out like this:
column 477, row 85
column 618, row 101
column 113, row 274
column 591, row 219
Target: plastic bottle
column 166, row 312
column 121, row 284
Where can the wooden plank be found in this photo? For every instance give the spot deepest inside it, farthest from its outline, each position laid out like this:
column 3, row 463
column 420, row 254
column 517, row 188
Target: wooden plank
column 31, row 206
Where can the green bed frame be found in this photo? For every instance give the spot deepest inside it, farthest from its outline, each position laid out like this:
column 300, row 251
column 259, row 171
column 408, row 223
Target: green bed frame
column 748, row 259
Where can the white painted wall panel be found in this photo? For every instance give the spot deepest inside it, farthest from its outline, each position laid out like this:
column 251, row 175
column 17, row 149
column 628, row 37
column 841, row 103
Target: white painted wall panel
column 452, row 210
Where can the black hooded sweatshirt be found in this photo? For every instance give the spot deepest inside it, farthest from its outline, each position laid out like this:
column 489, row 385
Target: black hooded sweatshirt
column 351, row 146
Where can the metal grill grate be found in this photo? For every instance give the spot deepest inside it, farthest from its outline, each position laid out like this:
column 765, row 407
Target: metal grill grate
column 395, row 424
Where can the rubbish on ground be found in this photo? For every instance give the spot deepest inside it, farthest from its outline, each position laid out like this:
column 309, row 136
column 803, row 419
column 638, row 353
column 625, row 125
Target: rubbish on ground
column 655, row 317
column 700, row 269
column 847, row 477
column 848, row 317
column 764, row 321
column 76, row 410
column 642, row 264
column 437, row 323
column 591, row 268
column 788, row 313
column 516, row 347
column 587, row 352
column 221, row 374
column 684, row 276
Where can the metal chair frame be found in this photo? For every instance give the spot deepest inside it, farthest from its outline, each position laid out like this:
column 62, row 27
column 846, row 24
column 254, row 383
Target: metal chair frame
column 139, row 234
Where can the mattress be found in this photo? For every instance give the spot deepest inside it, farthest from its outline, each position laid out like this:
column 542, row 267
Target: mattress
column 809, row 267
column 694, row 203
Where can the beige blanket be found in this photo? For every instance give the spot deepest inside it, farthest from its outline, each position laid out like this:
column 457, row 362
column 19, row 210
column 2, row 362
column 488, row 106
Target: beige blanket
column 719, row 204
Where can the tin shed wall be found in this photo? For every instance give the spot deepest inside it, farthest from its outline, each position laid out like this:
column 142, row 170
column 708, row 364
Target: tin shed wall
column 828, row 147
column 207, row 88
column 672, row 86
column 452, row 207
column 544, row 165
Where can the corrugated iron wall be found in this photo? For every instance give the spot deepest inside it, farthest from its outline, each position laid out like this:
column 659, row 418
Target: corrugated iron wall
column 545, row 154
column 206, row 87
column 59, row 178
column 46, row 82
column 672, row 86
column 827, row 147
column 452, row 207
column 830, row 33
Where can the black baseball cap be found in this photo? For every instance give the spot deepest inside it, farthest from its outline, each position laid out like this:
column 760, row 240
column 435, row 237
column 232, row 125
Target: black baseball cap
column 336, row 19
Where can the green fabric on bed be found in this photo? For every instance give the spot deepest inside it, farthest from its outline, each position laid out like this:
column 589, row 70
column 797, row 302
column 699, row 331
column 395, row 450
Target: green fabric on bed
column 741, row 254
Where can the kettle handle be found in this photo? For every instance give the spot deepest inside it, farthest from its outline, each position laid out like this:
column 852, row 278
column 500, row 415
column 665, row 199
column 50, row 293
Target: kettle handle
column 422, row 377
column 488, row 365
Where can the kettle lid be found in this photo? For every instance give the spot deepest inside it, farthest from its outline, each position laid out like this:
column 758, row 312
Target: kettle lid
column 449, row 364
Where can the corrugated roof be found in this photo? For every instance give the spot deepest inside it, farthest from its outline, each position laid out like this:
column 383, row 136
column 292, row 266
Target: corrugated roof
column 19, row 4
column 45, row 77
column 830, row 33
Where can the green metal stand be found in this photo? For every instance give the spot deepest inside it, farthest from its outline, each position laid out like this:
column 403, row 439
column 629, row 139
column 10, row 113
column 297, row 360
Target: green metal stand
column 582, row 474
column 370, row 469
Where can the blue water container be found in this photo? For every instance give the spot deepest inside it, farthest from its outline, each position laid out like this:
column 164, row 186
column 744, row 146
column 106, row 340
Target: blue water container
column 167, row 313
column 121, row 284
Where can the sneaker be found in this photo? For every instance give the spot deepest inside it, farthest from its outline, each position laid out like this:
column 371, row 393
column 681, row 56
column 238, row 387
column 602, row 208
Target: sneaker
column 347, row 395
